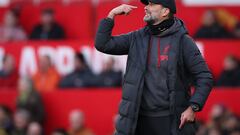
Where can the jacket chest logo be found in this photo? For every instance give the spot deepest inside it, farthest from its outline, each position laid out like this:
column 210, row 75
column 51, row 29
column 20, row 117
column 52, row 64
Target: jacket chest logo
column 164, row 55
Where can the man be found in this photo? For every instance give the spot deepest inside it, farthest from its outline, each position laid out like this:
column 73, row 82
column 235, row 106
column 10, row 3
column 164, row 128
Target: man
column 59, row 131
column 109, row 77
column 162, row 62
column 46, row 78
column 21, row 122
column 8, row 73
column 82, row 76
column 34, row 128
column 29, row 99
column 77, row 124
column 211, row 27
column 49, row 29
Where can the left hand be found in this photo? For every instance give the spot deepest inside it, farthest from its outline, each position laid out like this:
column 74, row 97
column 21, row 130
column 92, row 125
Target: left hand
column 187, row 116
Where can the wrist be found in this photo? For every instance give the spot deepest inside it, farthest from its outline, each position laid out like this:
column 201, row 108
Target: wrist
column 195, row 107
column 111, row 15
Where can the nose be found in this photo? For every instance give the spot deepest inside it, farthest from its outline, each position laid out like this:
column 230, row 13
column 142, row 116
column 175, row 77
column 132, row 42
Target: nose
column 146, row 7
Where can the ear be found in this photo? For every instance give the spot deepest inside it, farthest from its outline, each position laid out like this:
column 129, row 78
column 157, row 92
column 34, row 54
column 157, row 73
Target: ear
column 166, row 11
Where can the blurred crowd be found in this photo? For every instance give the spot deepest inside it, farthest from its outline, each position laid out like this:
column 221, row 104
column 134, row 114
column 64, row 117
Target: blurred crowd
column 216, row 24
column 48, row 28
column 29, row 121
column 221, row 121
column 48, row 79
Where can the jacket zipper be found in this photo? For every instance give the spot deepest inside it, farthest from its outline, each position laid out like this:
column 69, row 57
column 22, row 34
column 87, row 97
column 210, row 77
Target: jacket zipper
column 149, row 50
column 159, row 54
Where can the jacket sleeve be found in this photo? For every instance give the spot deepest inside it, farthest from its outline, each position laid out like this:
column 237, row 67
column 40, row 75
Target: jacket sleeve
column 198, row 70
column 106, row 43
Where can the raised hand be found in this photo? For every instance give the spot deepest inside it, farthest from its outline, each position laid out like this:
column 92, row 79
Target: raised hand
column 121, row 10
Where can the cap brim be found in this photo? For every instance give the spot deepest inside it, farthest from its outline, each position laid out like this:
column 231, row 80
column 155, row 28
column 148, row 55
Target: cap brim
column 145, row 2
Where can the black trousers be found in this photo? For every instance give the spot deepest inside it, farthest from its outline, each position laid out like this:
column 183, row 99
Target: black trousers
column 163, row 126
column 153, row 125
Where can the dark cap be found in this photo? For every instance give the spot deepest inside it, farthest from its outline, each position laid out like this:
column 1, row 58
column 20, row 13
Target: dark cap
column 166, row 3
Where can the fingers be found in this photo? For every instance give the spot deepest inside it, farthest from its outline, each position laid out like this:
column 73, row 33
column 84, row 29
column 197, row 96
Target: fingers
column 125, row 9
column 128, row 8
column 120, row 10
column 134, row 7
column 183, row 120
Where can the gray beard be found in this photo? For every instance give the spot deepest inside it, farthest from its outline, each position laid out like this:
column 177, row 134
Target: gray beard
column 149, row 19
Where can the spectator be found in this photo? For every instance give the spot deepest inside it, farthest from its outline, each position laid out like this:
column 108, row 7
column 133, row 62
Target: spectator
column 8, row 73
column 211, row 28
column 226, row 18
column 21, row 121
column 82, row 76
column 77, row 125
column 230, row 76
column 59, row 131
column 202, row 129
column 217, row 116
column 34, row 128
column 214, row 131
column 109, row 77
column 235, row 132
column 10, row 30
column 236, row 31
column 5, row 120
column 47, row 78
column 49, row 28
column 230, row 124
column 30, row 100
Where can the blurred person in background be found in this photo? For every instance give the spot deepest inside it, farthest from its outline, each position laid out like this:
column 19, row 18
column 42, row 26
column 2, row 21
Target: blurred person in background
column 211, row 28
column 59, row 131
column 8, row 73
column 5, row 120
column 235, row 132
column 213, row 131
column 108, row 77
column 34, row 128
column 46, row 78
column 77, row 124
column 49, row 29
column 21, row 121
column 217, row 116
column 82, row 76
column 230, row 124
column 222, row 120
column 230, row 76
column 30, row 100
column 236, row 31
column 202, row 129
column 10, row 30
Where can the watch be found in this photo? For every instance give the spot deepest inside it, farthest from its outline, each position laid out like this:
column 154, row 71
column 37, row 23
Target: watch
column 195, row 107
